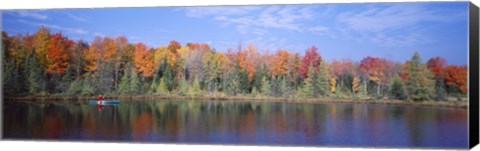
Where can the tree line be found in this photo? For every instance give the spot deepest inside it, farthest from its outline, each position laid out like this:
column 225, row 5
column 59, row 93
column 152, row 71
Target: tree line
column 50, row 64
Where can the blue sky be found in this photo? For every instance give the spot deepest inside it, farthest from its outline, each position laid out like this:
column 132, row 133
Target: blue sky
column 389, row 30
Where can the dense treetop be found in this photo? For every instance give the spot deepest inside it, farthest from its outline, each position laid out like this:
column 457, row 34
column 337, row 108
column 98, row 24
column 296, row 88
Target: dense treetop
column 48, row 63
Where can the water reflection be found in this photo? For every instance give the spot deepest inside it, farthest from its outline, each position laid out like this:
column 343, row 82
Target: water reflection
column 240, row 123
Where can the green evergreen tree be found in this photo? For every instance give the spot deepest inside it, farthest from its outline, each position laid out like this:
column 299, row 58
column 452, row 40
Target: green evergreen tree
column 75, row 88
column 34, row 75
column 87, row 88
column 440, row 90
column 10, row 77
column 66, row 81
column 274, row 82
column 196, row 91
column 257, row 81
column 420, row 84
column 154, row 84
column 162, row 88
column 134, row 83
column 231, row 83
column 182, row 86
column 244, row 83
column 397, row 89
column 323, row 80
column 169, row 77
column 124, row 86
column 254, row 92
column 266, row 87
column 308, row 87
column 285, row 87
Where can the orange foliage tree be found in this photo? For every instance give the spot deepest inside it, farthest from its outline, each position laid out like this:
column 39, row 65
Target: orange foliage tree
column 93, row 55
column 57, row 54
column 280, row 66
column 143, row 60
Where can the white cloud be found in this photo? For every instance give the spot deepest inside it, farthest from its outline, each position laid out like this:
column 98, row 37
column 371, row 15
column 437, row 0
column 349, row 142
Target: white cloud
column 398, row 16
column 199, row 12
column 32, row 14
column 99, row 34
column 289, row 17
column 257, row 20
column 259, row 31
column 53, row 26
column 391, row 25
column 76, row 17
column 385, row 25
column 320, row 30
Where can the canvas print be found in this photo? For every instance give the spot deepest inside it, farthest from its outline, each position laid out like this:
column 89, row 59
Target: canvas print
column 389, row 75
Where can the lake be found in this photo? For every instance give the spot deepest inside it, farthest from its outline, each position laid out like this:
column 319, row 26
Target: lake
column 243, row 123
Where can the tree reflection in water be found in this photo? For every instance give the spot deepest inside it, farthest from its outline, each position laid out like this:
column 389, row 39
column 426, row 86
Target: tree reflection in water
column 230, row 122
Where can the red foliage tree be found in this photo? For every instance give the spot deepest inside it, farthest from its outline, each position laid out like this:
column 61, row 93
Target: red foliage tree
column 173, row 46
column 377, row 69
column 311, row 56
column 437, row 66
column 456, row 76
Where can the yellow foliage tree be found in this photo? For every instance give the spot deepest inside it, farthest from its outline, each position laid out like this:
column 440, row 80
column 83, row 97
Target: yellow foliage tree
column 355, row 85
column 41, row 45
column 333, row 84
column 164, row 52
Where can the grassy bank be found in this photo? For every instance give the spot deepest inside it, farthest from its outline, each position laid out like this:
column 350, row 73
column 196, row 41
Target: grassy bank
column 449, row 103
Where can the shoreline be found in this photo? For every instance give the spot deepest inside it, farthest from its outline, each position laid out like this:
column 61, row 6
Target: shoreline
column 450, row 103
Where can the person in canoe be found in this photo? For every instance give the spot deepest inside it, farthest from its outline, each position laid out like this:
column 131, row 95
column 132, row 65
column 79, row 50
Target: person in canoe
column 100, row 98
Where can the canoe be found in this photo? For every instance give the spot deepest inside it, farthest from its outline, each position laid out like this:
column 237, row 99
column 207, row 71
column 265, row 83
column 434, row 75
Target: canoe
column 104, row 102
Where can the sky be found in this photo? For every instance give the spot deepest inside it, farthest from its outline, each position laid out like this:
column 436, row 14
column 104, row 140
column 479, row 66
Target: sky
column 389, row 30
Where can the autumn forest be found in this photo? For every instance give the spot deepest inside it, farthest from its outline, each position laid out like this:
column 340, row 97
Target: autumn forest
column 50, row 64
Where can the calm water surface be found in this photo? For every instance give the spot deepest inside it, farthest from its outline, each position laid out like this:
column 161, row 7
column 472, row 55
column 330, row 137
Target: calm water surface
column 252, row 123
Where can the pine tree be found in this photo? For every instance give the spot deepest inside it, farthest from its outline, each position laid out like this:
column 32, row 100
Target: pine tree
column 124, row 86
column 308, row 85
column 420, row 82
column 397, row 89
column 87, row 88
column 182, row 87
column 134, row 83
column 257, row 81
column 440, row 90
column 34, row 75
column 66, row 80
column 196, row 91
column 231, row 84
column 266, row 87
column 244, row 82
column 75, row 88
column 154, row 84
column 9, row 79
column 275, row 86
column 323, row 79
column 285, row 87
column 162, row 87
column 169, row 77
column 254, row 92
